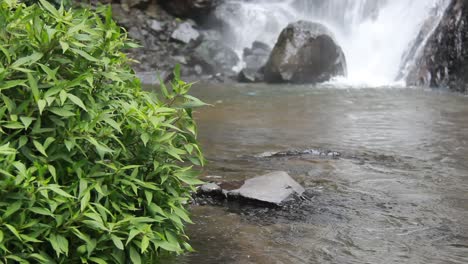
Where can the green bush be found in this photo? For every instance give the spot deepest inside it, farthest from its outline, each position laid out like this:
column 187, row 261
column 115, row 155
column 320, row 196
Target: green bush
column 92, row 168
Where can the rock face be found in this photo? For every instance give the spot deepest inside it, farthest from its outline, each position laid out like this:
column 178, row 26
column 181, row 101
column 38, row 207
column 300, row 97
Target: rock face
column 305, row 52
column 444, row 60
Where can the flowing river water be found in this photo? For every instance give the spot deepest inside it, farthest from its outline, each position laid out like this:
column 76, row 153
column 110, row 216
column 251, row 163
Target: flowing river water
column 398, row 193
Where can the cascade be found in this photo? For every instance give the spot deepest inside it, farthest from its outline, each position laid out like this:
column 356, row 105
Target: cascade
column 376, row 35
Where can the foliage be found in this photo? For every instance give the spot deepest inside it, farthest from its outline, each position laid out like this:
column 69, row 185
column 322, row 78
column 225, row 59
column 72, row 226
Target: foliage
column 92, row 168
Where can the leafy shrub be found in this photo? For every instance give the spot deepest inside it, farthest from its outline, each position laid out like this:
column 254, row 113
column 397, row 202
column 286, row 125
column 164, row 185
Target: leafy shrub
column 92, row 168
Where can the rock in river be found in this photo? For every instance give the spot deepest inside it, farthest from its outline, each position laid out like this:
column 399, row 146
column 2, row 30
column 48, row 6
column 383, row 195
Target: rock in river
column 305, row 52
column 275, row 188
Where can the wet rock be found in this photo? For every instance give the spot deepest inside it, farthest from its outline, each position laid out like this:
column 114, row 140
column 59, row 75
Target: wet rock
column 189, row 8
column 305, row 52
column 210, row 188
column 134, row 3
column 155, row 25
column 215, row 57
column 292, row 153
column 248, row 75
column 444, row 59
column 275, row 188
column 255, row 58
column 185, row 33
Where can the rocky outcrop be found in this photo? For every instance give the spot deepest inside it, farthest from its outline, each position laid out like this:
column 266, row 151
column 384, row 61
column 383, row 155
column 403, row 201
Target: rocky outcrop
column 305, row 52
column 444, row 60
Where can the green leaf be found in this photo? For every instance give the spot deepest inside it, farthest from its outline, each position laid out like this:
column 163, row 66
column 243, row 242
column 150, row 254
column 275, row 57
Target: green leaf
column 7, row 54
column 33, row 86
column 117, row 242
column 85, row 201
column 13, row 125
column 145, row 137
column 6, row 150
column 135, row 256
column 144, row 244
column 131, row 235
column 10, row 84
column 14, row 231
column 77, row 101
column 39, row 147
column 84, row 54
column 41, row 104
column 98, row 260
column 55, row 244
column 113, row 123
column 182, row 214
column 28, row 60
column 41, row 211
column 188, row 179
column 13, row 208
column 1, row 236
column 60, row 111
column 56, row 188
column 27, row 121
column 63, row 243
column 53, row 172
column 65, row 46
column 50, row 8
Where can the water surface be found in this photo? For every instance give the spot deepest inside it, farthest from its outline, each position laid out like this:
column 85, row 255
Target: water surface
column 397, row 194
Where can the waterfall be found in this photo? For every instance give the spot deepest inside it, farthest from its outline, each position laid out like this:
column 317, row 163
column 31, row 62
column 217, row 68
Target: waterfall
column 378, row 37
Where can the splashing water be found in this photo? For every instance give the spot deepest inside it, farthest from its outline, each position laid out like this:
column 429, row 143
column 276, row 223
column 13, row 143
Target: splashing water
column 374, row 34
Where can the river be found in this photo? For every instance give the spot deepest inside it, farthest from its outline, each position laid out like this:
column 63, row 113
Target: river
column 398, row 193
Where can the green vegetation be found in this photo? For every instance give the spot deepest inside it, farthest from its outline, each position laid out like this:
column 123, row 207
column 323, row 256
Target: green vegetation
column 92, row 168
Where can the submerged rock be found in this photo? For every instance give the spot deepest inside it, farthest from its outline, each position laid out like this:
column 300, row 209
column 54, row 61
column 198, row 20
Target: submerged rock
column 444, row 59
column 305, row 52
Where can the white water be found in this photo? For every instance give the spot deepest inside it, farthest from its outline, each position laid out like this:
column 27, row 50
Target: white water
column 374, row 34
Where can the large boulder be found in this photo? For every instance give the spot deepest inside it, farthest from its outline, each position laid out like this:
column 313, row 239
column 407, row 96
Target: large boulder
column 444, row 60
column 189, row 8
column 305, row 52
